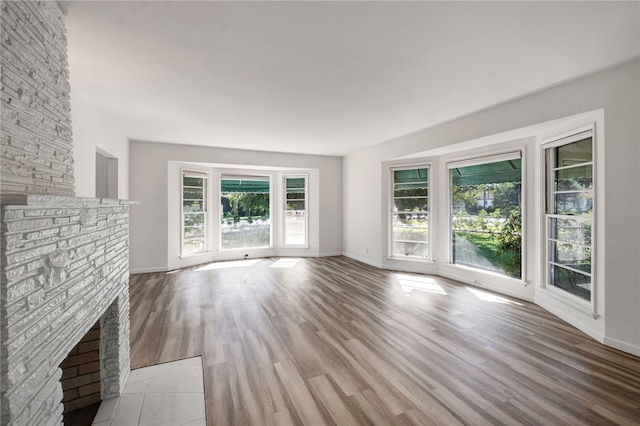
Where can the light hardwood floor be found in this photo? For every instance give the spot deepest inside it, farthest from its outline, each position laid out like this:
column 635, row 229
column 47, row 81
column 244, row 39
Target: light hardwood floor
column 334, row 341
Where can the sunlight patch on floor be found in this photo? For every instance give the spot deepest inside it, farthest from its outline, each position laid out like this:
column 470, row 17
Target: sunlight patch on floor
column 229, row 264
column 408, row 283
column 490, row 297
column 288, row 262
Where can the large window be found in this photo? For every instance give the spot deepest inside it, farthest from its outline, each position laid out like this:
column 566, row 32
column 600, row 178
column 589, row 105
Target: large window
column 295, row 211
column 410, row 213
column 569, row 214
column 194, row 212
column 486, row 213
column 245, row 212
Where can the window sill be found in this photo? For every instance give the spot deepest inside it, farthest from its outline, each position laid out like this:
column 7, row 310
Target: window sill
column 571, row 300
column 409, row 259
column 192, row 255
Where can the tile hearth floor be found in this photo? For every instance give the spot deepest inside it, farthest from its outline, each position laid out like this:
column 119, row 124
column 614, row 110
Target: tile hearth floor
column 170, row 394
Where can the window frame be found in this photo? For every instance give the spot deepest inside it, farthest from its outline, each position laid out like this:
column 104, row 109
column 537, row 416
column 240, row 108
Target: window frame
column 547, row 148
column 390, row 252
column 185, row 172
column 512, row 153
column 306, row 209
column 230, row 175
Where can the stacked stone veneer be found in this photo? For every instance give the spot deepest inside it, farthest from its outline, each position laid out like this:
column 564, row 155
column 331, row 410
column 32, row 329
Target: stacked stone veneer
column 36, row 119
column 64, row 260
column 65, row 266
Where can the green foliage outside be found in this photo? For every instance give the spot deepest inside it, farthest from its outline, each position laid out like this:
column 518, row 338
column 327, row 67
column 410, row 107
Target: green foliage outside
column 486, row 244
column 495, row 232
column 410, row 222
column 246, row 216
column 572, row 249
column 239, row 206
column 510, row 243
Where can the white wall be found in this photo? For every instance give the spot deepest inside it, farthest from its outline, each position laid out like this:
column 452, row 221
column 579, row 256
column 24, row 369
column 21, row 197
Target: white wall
column 617, row 92
column 150, row 180
column 92, row 131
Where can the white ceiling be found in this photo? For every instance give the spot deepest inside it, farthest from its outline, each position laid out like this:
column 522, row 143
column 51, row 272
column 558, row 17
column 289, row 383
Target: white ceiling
column 328, row 77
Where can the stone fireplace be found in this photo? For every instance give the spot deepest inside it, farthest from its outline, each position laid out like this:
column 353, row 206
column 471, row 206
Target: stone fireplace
column 66, row 268
column 64, row 258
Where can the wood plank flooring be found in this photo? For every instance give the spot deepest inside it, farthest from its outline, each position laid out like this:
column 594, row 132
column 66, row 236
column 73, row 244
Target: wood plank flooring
column 334, row 341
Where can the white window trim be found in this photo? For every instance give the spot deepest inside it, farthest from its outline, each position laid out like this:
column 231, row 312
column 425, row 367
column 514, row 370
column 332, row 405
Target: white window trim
column 190, row 172
column 587, row 307
column 231, row 174
column 513, row 153
column 305, row 176
column 389, row 212
column 484, row 159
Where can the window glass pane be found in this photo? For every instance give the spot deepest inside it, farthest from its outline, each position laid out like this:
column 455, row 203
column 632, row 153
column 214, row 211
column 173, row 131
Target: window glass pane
column 295, row 225
column 192, row 193
column 416, row 249
column 486, row 217
column 570, row 193
column 410, row 234
column 574, row 178
column 245, row 221
column 571, row 255
column 194, row 216
column 410, row 179
column 244, row 186
column 405, row 191
column 574, row 153
column 193, row 240
column 570, row 231
column 295, row 205
column 193, row 181
column 407, row 204
column 295, row 195
column 571, row 281
column 295, row 183
column 191, row 219
column 409, row 228
column 193, row 232
column 189, row 206
column 571, row 203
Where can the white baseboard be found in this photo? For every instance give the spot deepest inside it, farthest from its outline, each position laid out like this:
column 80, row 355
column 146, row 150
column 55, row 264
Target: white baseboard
column 330, row 254
column 486, row 285
column 409, row 265
column 135, row 271
column 360, row 259
column 622, row 346
column 147, row 270
column 585, row 328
